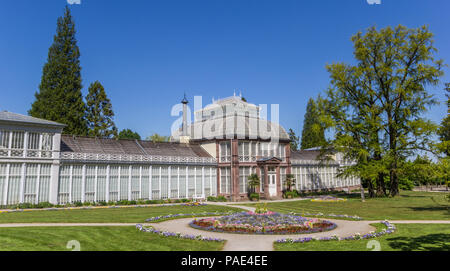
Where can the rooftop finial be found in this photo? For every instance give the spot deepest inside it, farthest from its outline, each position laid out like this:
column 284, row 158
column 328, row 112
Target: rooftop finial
column 184, row 101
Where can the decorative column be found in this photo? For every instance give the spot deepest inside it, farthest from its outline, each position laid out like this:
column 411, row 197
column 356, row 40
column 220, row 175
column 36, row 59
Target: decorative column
column 218, row 191
column 266, row 182
column 235, row 170
column 258, row 172
column 279, row 193
column 54, row 179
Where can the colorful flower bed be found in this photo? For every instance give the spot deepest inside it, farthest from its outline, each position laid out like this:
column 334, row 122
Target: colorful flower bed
column 194, row 204
column 328, row 199
column 170, row 216
column 151, row 229
column 352, row 217
column 390, row 228
column 262, row 223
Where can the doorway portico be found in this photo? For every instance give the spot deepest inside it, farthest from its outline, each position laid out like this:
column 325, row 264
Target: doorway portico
column 270, row 177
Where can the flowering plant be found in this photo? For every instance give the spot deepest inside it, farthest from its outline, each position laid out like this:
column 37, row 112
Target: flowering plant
column 177, row 234
column 390, row 228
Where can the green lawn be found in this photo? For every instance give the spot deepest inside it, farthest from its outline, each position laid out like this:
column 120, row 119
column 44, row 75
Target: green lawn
column 95, row 238
column 117, row 215
column 409, row 205
column 418, row 237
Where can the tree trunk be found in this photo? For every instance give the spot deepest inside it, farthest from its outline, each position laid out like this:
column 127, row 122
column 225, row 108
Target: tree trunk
column 370, row 189
column 363, row 199
column 394, row 183
column 381, row 187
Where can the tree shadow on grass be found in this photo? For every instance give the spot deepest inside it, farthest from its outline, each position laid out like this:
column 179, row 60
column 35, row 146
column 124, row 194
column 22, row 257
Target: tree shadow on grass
column 430, row 242
column 432, row 209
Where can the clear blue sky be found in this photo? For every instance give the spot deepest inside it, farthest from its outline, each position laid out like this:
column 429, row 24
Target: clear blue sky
column 148, row 53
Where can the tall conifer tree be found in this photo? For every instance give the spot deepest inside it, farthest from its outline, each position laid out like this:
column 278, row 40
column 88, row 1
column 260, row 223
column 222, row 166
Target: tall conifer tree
column 313, row 134
column 99, row 113
column 59, row 97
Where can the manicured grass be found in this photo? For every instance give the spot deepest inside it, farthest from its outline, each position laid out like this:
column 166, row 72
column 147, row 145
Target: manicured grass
column 117, row 215
column 419, row 237
column 95, row 238
column 409, row 205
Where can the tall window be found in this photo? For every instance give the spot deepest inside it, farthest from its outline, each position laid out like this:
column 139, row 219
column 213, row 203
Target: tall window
column 225, row 151
column 135, row 183
column 4, row 142
column 225, row 180
column 191, row 182
column 164, row 182
column 244, row 172
column 47, row 145
column 33, row 145
column 17, row 142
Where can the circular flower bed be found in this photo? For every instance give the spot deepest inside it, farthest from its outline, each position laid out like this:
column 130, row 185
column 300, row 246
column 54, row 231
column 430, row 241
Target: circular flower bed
column 265, row 223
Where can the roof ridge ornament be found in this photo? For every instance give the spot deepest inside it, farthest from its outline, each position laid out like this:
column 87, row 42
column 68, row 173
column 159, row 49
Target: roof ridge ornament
column 184, row 101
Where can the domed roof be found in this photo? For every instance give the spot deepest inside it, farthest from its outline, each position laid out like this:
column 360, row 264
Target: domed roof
column 234, row 127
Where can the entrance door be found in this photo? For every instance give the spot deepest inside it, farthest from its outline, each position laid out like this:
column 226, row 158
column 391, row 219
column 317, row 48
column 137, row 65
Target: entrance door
column 272, row 185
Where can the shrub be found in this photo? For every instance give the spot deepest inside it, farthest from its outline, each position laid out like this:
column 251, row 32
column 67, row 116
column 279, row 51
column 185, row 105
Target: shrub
column 24, row 205
column 102, row 203
column 216, row 199
column 290, row 194
column 44, row 205
column 77, row 204
column 254, row 196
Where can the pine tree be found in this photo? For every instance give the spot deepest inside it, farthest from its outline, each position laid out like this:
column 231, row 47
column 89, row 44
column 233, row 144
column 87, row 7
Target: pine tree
column 313, row 134
column 294, row 140
column 99, row 113
column 59, row 97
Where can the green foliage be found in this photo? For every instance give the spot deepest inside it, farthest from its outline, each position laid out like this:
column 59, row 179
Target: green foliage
column 290, row 181
column 294, row 140
column 158, row 138
column 313, row 134
column 253, row 182
column 261, row 208
column 128, row 134
column 216, row 199
column 59, row 97
column 99, row 113
column 376, row 107
column 444, row 129
column 253, row 196
column 290, row 194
